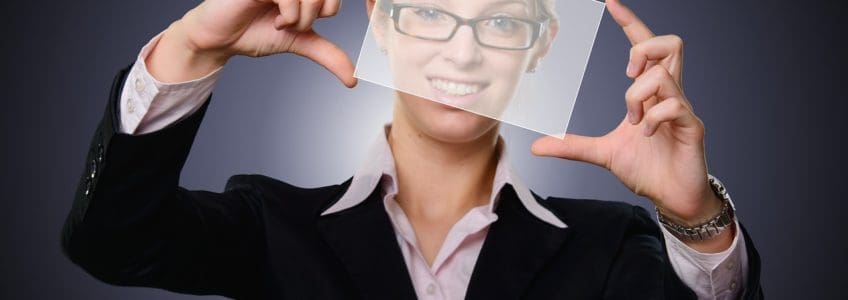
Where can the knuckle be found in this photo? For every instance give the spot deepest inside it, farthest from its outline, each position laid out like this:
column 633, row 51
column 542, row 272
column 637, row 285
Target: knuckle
column 630, row 95
column 677, row 106
column 289, row 21
column 291, row 7
column 653, row 116
column 677, row 41
column 659, row 72
column 635, row 51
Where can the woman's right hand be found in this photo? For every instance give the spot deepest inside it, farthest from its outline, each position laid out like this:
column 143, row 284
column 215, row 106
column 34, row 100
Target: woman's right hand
column 208, row 35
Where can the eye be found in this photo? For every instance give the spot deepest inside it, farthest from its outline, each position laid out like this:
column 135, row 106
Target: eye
column 502, row 23
column 429, row 14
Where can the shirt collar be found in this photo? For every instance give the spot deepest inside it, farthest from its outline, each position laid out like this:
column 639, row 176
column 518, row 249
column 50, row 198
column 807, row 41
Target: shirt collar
column 379, row 166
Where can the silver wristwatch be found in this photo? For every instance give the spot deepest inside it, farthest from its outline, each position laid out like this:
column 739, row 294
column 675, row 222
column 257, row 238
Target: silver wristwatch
column 710, row 228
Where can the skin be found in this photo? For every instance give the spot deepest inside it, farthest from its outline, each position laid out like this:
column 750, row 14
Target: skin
column 446, row 157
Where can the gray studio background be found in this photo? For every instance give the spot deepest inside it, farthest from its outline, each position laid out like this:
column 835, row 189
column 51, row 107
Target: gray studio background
column 765, row 76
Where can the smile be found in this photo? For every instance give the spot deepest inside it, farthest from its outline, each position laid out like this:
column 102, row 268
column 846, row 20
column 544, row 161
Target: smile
column 454, row 88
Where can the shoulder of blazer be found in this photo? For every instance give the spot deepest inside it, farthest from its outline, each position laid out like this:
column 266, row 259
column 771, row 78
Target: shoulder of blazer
column 298, row 201
column 614, row 221
column 583, row 213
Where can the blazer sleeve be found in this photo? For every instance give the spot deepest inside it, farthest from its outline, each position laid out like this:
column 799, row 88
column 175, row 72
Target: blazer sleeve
column 132, row 224
column 642, row 269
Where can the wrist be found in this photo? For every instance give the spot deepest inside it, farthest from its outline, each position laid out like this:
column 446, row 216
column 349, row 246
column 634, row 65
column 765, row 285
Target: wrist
column 176, row 59
column 700, row 228
column 704, row 209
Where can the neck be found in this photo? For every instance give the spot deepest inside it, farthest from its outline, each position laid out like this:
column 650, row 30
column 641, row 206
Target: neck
column 440, row 181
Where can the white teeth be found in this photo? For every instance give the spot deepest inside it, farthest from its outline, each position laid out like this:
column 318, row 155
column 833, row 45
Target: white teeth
column 455, row 88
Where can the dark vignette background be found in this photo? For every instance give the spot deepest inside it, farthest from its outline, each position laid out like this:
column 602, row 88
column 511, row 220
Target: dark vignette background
column 765, row 76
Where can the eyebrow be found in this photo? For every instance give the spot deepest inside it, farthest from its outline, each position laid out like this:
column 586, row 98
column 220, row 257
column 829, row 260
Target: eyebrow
column 443, row 4
column 505, row 2
column 527, row 7
column 499, row 3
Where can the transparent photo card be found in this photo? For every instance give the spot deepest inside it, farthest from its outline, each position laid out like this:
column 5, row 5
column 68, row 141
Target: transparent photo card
column 517, row 61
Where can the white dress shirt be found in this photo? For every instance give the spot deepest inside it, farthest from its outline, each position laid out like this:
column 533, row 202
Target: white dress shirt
column 147, row 105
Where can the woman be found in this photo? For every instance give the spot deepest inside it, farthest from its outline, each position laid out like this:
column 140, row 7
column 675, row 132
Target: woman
column 434, row 212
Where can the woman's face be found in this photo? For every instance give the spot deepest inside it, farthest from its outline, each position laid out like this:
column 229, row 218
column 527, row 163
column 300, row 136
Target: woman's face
column 457, row 71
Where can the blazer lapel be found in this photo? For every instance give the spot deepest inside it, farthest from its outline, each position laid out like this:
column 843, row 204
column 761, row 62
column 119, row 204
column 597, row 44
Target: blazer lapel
column 364, row 240
column 517, row 246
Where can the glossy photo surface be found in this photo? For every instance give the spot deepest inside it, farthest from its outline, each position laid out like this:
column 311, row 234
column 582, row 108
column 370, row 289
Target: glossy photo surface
column 520, row 62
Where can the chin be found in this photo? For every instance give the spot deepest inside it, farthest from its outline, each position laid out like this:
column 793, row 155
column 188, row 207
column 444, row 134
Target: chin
column 443, row 122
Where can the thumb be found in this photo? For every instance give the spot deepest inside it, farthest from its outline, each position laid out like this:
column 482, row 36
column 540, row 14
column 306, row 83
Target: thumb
column 313, row 46
column 572, row 147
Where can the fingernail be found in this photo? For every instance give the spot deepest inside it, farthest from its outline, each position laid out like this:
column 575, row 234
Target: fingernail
column 631, row 117
column 629, row 69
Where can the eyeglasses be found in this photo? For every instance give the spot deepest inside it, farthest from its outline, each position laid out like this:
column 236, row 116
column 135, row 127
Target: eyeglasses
column 499, row 32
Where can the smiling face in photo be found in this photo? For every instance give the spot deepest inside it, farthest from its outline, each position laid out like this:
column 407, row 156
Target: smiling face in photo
column 464, row 55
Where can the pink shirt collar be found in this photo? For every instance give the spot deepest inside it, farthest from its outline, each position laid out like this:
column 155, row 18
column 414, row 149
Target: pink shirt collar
column 379, row 167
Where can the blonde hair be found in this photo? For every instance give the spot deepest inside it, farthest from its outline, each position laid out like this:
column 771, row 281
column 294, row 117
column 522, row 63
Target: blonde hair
column 547, row 8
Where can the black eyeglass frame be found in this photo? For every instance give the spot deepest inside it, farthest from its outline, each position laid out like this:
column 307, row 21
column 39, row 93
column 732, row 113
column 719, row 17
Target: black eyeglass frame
column 537, row 26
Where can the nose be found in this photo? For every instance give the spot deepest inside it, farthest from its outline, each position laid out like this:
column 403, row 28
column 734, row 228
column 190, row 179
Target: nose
column 462, row 49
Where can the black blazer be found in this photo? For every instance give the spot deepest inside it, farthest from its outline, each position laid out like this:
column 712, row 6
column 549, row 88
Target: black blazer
column 131, row 224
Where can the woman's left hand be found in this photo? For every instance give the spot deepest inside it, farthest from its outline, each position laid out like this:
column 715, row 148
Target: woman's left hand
column 657, row 151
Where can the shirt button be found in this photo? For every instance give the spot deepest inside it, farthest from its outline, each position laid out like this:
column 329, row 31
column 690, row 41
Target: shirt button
column 99, row 152
column 139, row 85
column 130, row 106
column 733, row 285
column 730, row 265
column 93, row 169
column 87, row 187
column 431, row 289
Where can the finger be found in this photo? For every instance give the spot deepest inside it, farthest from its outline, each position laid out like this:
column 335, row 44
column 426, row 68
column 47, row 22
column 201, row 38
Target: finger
column 330, row 8
column 572, row 147
column 309, row 10
column 656, row 82
column 634, row 29
column 646, row 105
column 672, row 110
column 657, row 48
column 289, row 13
column 315, row 47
